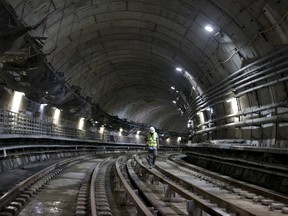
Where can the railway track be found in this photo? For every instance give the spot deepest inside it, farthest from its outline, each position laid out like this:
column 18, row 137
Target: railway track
column 13, row 200
column 250, row 191
column 54, row 189
column 125, row 186
column 201, row 192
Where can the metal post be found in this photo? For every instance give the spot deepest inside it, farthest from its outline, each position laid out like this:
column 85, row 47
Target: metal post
column 4, row 153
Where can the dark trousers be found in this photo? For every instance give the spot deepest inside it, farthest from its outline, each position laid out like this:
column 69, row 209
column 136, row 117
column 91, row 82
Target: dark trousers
column 152, row 153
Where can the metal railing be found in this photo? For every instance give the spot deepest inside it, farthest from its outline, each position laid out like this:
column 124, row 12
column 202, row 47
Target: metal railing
column 12, row 124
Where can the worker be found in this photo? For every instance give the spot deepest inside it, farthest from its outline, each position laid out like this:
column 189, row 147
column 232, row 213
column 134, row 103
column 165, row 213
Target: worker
column 152, row 142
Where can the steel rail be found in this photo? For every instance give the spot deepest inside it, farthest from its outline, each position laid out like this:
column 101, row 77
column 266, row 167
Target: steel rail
column 93, row 207
column 201, row 203
column 92, row 191
column 243, row 185
column 11, row 194
column 135, row 199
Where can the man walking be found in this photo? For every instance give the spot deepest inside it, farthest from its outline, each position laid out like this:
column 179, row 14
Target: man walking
column 152, row 142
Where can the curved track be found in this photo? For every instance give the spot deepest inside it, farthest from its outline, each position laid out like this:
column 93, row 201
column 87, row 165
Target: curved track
column 103, row 185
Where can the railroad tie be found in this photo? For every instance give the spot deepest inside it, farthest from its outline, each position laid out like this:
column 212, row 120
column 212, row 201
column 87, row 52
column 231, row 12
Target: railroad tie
column 10, row 209
column 267, row 202
column 285, row 210
column 6, row 214
column 277, row 206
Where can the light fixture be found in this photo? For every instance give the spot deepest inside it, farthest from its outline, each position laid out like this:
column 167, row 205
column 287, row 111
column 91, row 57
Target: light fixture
column 174, row 101
column 81, row 123
column 102, row 128
column 17, row 98
column 179, row 69
column 209, row 109
column 56, row 116
column 209, row 28
column 234, row 104
column 172, row 87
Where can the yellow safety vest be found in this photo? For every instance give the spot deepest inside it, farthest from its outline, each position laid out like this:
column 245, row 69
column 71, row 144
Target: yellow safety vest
column 152, row 139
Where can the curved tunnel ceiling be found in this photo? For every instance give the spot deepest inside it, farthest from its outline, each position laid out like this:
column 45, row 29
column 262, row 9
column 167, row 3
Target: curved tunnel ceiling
column 123, row 54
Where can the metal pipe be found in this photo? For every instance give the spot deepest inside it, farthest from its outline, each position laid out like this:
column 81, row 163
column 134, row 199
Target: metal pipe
column 260, row 61
column 250, row 122
column 243, row 113
column 219, row 94
column 228, row 80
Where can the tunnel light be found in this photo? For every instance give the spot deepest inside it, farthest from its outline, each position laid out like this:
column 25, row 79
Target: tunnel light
column 201, row 117
column 56, row 116
column 172, row 87
column 138, row 134
column 234, row 105
column 81, row 123
column 41, row 110
column 17, row 98
column 179, row 69
column 209, row 28
column 174, row 102
column 120, row 131
column 101, row 130
column 190, row 124
column 209, row 109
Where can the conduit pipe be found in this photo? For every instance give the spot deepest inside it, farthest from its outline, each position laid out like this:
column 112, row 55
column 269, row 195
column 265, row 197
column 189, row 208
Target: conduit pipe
column 219, row 94
column 243, row 113
column 221, row 97
column 262, row 86
column 270, row 70
column 260, row 61
column 223, row 85
column 228, row 81
column 250, row 122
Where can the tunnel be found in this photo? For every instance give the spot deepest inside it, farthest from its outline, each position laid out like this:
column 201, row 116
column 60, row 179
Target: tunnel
column 82, row 76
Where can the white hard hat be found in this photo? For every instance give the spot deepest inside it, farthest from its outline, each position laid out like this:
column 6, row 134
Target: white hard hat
column 152, row 129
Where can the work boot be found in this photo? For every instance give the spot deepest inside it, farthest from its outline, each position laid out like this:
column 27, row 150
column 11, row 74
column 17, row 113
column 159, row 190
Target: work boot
column 148, row 161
